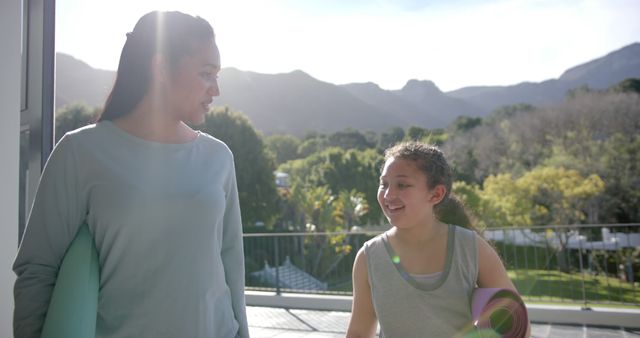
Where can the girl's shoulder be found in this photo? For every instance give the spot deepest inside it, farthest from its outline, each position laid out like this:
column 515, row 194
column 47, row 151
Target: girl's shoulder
column 377, row 240
column 464, row 234
column 465, row 243
column 375, row 243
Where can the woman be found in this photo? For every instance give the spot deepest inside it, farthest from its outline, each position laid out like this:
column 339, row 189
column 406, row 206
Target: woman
column 159, row 198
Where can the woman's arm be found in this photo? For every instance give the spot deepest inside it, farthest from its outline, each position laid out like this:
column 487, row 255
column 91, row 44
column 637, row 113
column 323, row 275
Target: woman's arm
column 233, row 253
column 54, row 220
column 363, row 317
column 491, row 271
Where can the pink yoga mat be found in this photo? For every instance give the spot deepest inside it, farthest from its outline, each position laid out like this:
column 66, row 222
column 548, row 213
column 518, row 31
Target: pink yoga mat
column 499, row 312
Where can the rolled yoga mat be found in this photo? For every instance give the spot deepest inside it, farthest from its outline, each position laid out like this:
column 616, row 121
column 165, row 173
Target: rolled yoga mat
column 499, row 312
column 73, row 308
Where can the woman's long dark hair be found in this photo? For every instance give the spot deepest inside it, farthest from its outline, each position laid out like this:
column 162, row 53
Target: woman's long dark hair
column 432, row 162
column 170, row 34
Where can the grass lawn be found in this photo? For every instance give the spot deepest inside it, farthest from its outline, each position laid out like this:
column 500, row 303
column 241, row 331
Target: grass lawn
column 552, row 286
column 555, row 286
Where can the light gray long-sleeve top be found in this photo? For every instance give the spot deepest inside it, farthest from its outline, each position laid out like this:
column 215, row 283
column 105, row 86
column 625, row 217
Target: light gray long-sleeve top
column 166, row 222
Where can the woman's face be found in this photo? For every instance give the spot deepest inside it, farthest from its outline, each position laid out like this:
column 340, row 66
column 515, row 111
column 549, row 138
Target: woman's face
column 403, row 194
column 193, row 84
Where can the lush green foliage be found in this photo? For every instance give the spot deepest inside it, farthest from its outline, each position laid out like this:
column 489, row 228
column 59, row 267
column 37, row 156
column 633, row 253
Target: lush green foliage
column 254, row 165
column 283, row 147
column 545, row 195
column 339, row 170
column 594, row 133
column 575, row 162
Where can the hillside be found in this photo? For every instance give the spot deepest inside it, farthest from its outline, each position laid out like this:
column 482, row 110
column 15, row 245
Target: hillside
column 296, row 103
column 597, row 74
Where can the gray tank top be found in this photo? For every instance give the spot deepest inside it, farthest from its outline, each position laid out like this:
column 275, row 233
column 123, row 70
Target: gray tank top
column 407, row 308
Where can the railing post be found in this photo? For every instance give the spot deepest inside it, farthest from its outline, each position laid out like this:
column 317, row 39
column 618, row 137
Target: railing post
column 277, row 264
column 585, row 306
column 629, row 267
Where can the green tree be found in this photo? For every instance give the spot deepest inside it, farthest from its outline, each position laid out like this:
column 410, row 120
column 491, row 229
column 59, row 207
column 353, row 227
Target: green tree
column 312, row 145
column 73, row 116
column 391, row 137
column 350, row 207
column 283, row 147
column 545, row 195
column 308, row 171
column 616, row 159
column 621, row 169
column 582, row 90
column 349, row 139
column 592, row 131
column 326, row 212
column 469, row 194
column 463, row 124
column 631, row 85
column 356, row 170
column 435, row 136
column 340, row 170
column 416, row 133
column 507, row 112
column 254, row 167
column 316, row 206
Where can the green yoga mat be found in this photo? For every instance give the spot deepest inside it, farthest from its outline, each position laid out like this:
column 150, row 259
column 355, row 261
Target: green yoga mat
column 74, row 302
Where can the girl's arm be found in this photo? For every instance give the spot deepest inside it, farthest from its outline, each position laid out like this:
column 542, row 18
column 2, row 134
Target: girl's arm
column 491, row 271
column 363, row 321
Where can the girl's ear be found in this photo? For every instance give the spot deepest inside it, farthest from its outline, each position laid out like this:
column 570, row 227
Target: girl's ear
column 437, row 194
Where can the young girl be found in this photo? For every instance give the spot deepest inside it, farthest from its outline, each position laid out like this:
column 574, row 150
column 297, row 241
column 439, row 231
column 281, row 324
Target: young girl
column 159, row 198
column 417, row 278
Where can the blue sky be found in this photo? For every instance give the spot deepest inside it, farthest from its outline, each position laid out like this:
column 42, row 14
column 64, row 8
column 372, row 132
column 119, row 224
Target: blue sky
column 454, row 43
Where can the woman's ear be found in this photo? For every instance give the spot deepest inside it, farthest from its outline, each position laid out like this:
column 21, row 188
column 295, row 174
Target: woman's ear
column 437, row 194
column 159, row 72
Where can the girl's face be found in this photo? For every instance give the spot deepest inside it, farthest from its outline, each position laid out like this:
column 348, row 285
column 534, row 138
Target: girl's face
column 193, row 84
column 403, row 194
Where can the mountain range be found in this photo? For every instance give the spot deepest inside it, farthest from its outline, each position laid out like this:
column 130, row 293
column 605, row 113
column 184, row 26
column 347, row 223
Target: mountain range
column 296, row 103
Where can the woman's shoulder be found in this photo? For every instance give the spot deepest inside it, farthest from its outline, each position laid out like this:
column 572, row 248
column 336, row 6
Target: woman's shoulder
column 82, row 132
column 214, row 144
column 84, row 135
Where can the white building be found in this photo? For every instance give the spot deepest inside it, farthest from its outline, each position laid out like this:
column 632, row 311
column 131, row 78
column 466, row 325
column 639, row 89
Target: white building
column 282, row 179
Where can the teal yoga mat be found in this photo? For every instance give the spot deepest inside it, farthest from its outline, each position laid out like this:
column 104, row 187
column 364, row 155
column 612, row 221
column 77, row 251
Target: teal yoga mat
column 74, row 302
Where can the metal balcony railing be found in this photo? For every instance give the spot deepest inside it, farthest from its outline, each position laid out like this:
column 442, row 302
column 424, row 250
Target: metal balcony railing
column 571, row 264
